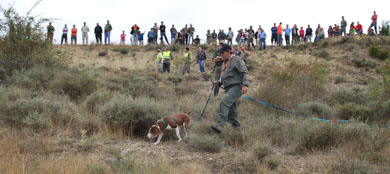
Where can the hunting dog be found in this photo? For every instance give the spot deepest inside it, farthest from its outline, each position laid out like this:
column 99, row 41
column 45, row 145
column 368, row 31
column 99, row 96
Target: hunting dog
column 169, row 123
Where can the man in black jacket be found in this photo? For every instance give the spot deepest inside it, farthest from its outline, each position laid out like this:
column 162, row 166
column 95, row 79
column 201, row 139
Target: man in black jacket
column 98, row 33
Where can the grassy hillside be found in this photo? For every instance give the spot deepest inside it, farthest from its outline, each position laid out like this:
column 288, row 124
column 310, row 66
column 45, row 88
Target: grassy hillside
column 87, row 109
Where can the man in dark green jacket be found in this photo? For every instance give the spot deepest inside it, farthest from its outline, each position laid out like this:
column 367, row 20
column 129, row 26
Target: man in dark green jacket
column 235, row 80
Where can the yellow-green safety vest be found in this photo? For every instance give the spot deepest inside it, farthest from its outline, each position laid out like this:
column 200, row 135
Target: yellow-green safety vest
column 166, row 55
column 158, row 57
column 187, row 57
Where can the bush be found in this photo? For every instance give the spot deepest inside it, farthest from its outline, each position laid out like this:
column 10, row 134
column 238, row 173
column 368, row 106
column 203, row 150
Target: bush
column 204, row 143
column 37, row 121
column 272, row 162
column 262, row 151
column 363, row 63
column 315, row 109
column 76, row 85
column 350, row 95
column 97, row 99
column 322, row 54
column 294, row 83
column 23, row 43
column 103, row 53
column 349, row 111
column 134, row 116
column 233, row 137
column 319, row 137
column 385, row 31
column 36, row 78
column 23, row 108
column 122, row 50
column 153, row 47
column 376, row 52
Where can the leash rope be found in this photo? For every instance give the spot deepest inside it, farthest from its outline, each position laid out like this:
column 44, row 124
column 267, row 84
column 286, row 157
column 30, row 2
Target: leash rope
column 304, row 116
column 204, row 108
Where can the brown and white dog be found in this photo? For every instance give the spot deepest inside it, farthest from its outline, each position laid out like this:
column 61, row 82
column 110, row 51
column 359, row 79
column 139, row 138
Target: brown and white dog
column 169, row 123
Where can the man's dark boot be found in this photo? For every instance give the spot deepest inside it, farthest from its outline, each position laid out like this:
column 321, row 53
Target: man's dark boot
column 217, row 128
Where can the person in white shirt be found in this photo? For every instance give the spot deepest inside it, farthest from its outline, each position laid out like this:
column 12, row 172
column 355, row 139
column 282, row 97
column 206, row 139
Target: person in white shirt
column 65, row 35
column 85, row 31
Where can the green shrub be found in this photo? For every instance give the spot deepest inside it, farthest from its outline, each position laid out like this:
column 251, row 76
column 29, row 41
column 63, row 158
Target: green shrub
column 376, row 52
column 233, row 137
column 122, row 50
column 349, row 111
column 319, row 137
column 322, row 54
column 272, row 162
column 202, row 128
column 134, row 116
column 175, row 47
column 23, row 108
column 36, row 78
column 103, row 53
column 262, row 151
column 37, row 121
column 350, row 95
column 76, row 85
column 23, row 43
column 89, row 142
column 385, row 30
column 341, row 79
column 153, row 47
column 316, row 109
column 204, row 143
column 291, row 85
column 363, row 63
column 97, row 99
column 204, row 46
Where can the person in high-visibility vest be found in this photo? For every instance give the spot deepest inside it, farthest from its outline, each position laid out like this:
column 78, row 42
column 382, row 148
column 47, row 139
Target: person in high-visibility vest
column 167, row 57
column 187, row 61
column 159, row 60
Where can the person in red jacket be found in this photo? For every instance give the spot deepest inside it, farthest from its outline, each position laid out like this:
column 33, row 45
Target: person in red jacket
column 359, row 28
column 135, row 33
column 302, row 35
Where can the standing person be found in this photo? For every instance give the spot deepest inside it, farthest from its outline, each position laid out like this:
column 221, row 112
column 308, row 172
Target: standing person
column 236, row 51
column 287, row 32
column 343, row 25
column 280, row 33
column 50, row 32
column 274, row 37
column 230, row 36
column 218, row 62
column 208, row 37
column 234, row 79
column 185, row 30
column 197, row 40
column 263, row 37
column 141, row 38
column 359, row 28
column 302, row 36
column 191, row 32
column 167, row 57
column 162, row 32
column 98, row 33
column 173, row 34
column 214, row 37
column 107, row 33
column 64, row 35
column 245, row 56
column 179, row 38
column 374, row 19
column 242, row 38
column 123, row 38
column 159, row 60
column 85, row 31
column 220, row 37
column 201, row 59
column 73, row 38
column 151, row 36
column 317, row 32
column 155, row 31
column 295, row 34
column 251, row 36
column 330, row 31
column 336, row 30
column 187, row 61
column 134, row 32
column 309, row 34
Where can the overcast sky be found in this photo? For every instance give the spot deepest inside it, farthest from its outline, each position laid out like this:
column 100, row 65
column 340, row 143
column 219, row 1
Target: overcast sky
column 203, row 14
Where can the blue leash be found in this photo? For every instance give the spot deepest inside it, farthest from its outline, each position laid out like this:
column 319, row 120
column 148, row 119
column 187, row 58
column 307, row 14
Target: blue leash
column 304, row 116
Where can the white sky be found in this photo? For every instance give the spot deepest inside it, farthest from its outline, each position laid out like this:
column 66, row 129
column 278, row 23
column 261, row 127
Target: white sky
column 203, row 14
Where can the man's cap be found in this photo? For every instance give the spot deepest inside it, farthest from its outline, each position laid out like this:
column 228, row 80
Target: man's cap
column 225, row 47
column 158, row 50
column 187, row 48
